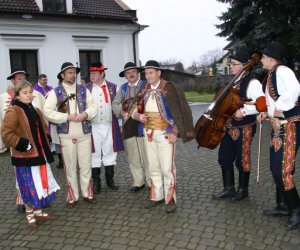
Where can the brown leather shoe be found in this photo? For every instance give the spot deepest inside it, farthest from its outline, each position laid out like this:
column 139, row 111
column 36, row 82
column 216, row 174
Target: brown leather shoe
column 150, row 203
column 89, row 200
column 171, row 207
column 71, row 204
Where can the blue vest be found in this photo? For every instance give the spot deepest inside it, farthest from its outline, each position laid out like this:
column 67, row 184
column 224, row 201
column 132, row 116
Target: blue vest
column 61, row 95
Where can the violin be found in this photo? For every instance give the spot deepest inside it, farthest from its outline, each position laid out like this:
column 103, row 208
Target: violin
column 62, row 106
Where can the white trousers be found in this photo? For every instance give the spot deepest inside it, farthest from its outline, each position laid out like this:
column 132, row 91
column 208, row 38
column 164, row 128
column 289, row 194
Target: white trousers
column 137, row 160
column 161, row 154
column 77, row 150
column 103, row 144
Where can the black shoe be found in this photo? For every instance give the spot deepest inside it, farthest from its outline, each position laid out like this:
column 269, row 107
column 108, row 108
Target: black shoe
column 294, row 220
column 89, row 200
column 240, row 194
column 150, row 203
column 225, row 193
column 280, row 210
column 113, row 186
column 136, row 189
column 171, row 207
column 21, row 209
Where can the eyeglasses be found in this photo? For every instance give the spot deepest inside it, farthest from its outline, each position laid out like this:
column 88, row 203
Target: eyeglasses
column 235, row 64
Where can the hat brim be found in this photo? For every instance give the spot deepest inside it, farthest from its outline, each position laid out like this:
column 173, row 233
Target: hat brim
column 17, row 72
column 152, row 67
column 122, row 73
column 68, row 67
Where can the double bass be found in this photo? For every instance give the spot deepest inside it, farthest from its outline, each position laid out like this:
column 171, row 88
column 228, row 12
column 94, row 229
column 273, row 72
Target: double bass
column 210, row 126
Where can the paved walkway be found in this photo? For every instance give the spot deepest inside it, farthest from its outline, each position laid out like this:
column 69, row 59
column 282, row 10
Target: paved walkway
column 119, row 220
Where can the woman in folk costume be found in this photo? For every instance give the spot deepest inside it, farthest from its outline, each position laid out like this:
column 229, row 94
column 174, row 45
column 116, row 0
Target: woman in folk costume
column 25, row 131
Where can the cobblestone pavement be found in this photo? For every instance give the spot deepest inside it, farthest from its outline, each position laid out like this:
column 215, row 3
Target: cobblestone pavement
column 120, row 221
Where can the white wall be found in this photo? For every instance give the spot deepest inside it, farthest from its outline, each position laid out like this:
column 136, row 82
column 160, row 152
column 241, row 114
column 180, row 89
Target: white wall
column 59, row 46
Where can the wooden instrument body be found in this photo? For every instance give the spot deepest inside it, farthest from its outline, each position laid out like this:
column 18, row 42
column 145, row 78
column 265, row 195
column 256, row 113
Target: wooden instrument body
column 210, row 128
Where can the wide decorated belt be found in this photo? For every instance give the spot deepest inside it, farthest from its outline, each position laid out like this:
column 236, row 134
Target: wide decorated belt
column 155, row 121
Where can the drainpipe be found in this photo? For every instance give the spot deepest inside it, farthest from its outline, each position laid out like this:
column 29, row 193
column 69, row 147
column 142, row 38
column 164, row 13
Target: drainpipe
column 134, row 44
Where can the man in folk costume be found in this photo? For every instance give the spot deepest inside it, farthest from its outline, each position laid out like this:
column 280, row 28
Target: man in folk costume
column 122, row 106
column 71, row 107
column 107, row 139
column 7, row 100
column 235, row 147
column 166, row 116
column 282, row 92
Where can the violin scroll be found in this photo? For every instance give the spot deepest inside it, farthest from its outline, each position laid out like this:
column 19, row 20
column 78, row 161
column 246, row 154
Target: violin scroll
column 62, row 106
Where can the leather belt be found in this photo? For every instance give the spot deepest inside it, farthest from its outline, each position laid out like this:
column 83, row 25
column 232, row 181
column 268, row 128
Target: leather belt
column 155, row 121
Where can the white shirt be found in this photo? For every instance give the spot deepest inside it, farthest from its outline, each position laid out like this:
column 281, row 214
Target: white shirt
column 104, row 111
column 288, row 88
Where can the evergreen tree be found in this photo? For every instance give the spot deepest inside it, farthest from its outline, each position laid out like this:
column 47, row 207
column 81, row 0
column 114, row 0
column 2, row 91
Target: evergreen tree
column 255, row 23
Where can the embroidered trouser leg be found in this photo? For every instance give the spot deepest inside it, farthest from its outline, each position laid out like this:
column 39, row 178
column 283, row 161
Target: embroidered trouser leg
column 162, row 171
column 73, row 151
column 236, row 148
column 135, row 148
column 283, row 150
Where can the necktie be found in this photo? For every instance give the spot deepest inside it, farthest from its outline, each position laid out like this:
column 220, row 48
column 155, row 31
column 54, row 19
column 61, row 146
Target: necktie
column 105, row 93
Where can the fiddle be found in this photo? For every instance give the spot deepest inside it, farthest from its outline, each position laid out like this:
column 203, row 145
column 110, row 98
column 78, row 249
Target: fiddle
column 62, row 106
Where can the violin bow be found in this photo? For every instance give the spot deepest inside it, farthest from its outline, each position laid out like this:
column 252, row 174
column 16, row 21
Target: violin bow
column 76, row 104
column 259, row 152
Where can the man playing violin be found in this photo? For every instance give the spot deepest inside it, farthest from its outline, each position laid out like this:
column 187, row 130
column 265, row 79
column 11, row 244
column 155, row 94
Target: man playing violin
column 235, row 147
column 282, row 92
column 122, row 106
column 166, row 115
column 74, row 130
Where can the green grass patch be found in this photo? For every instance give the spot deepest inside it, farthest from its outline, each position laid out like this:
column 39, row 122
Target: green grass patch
column 193, row 96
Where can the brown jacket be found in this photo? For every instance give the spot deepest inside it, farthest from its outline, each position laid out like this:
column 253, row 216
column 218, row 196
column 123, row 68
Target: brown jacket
column 22, row 124
column 180, row 110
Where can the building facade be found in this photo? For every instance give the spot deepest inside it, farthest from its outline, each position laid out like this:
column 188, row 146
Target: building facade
column 39, row 35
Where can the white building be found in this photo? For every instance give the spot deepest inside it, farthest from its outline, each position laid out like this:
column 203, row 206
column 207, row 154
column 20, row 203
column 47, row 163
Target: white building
column 39, row 35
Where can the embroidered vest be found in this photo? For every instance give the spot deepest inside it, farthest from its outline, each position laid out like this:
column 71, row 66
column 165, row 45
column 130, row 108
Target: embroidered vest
column 242, row 88
column 61, row 95
column 292, row 114
column 161, row 103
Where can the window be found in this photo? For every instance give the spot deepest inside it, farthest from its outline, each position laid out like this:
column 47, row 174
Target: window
column 54, row 6
column 26, row 59
column 87, row 57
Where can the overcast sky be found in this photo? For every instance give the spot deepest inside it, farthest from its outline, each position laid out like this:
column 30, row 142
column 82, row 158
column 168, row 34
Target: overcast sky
column 182, row 30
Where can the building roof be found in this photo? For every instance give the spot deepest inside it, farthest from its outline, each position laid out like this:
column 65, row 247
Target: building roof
column 19, row 5
column 107, row 9
column 101, row 8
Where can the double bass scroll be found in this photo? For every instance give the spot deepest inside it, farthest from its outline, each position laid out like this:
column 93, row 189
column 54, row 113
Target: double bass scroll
column 209, row 128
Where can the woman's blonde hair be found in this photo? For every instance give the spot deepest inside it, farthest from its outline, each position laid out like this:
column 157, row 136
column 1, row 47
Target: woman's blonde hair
column 22, row 85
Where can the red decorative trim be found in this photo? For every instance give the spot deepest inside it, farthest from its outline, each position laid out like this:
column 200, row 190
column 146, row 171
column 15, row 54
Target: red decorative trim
column 288, row 158
column 247, row 135
column 97, row 68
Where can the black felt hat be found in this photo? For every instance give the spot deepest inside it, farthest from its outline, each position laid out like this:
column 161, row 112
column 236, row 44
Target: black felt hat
column 275, row 50
column 151, row 64
column 97, row 66
column 15, row 71
column 128, row 66
column 241, row 55
column 65, row 66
